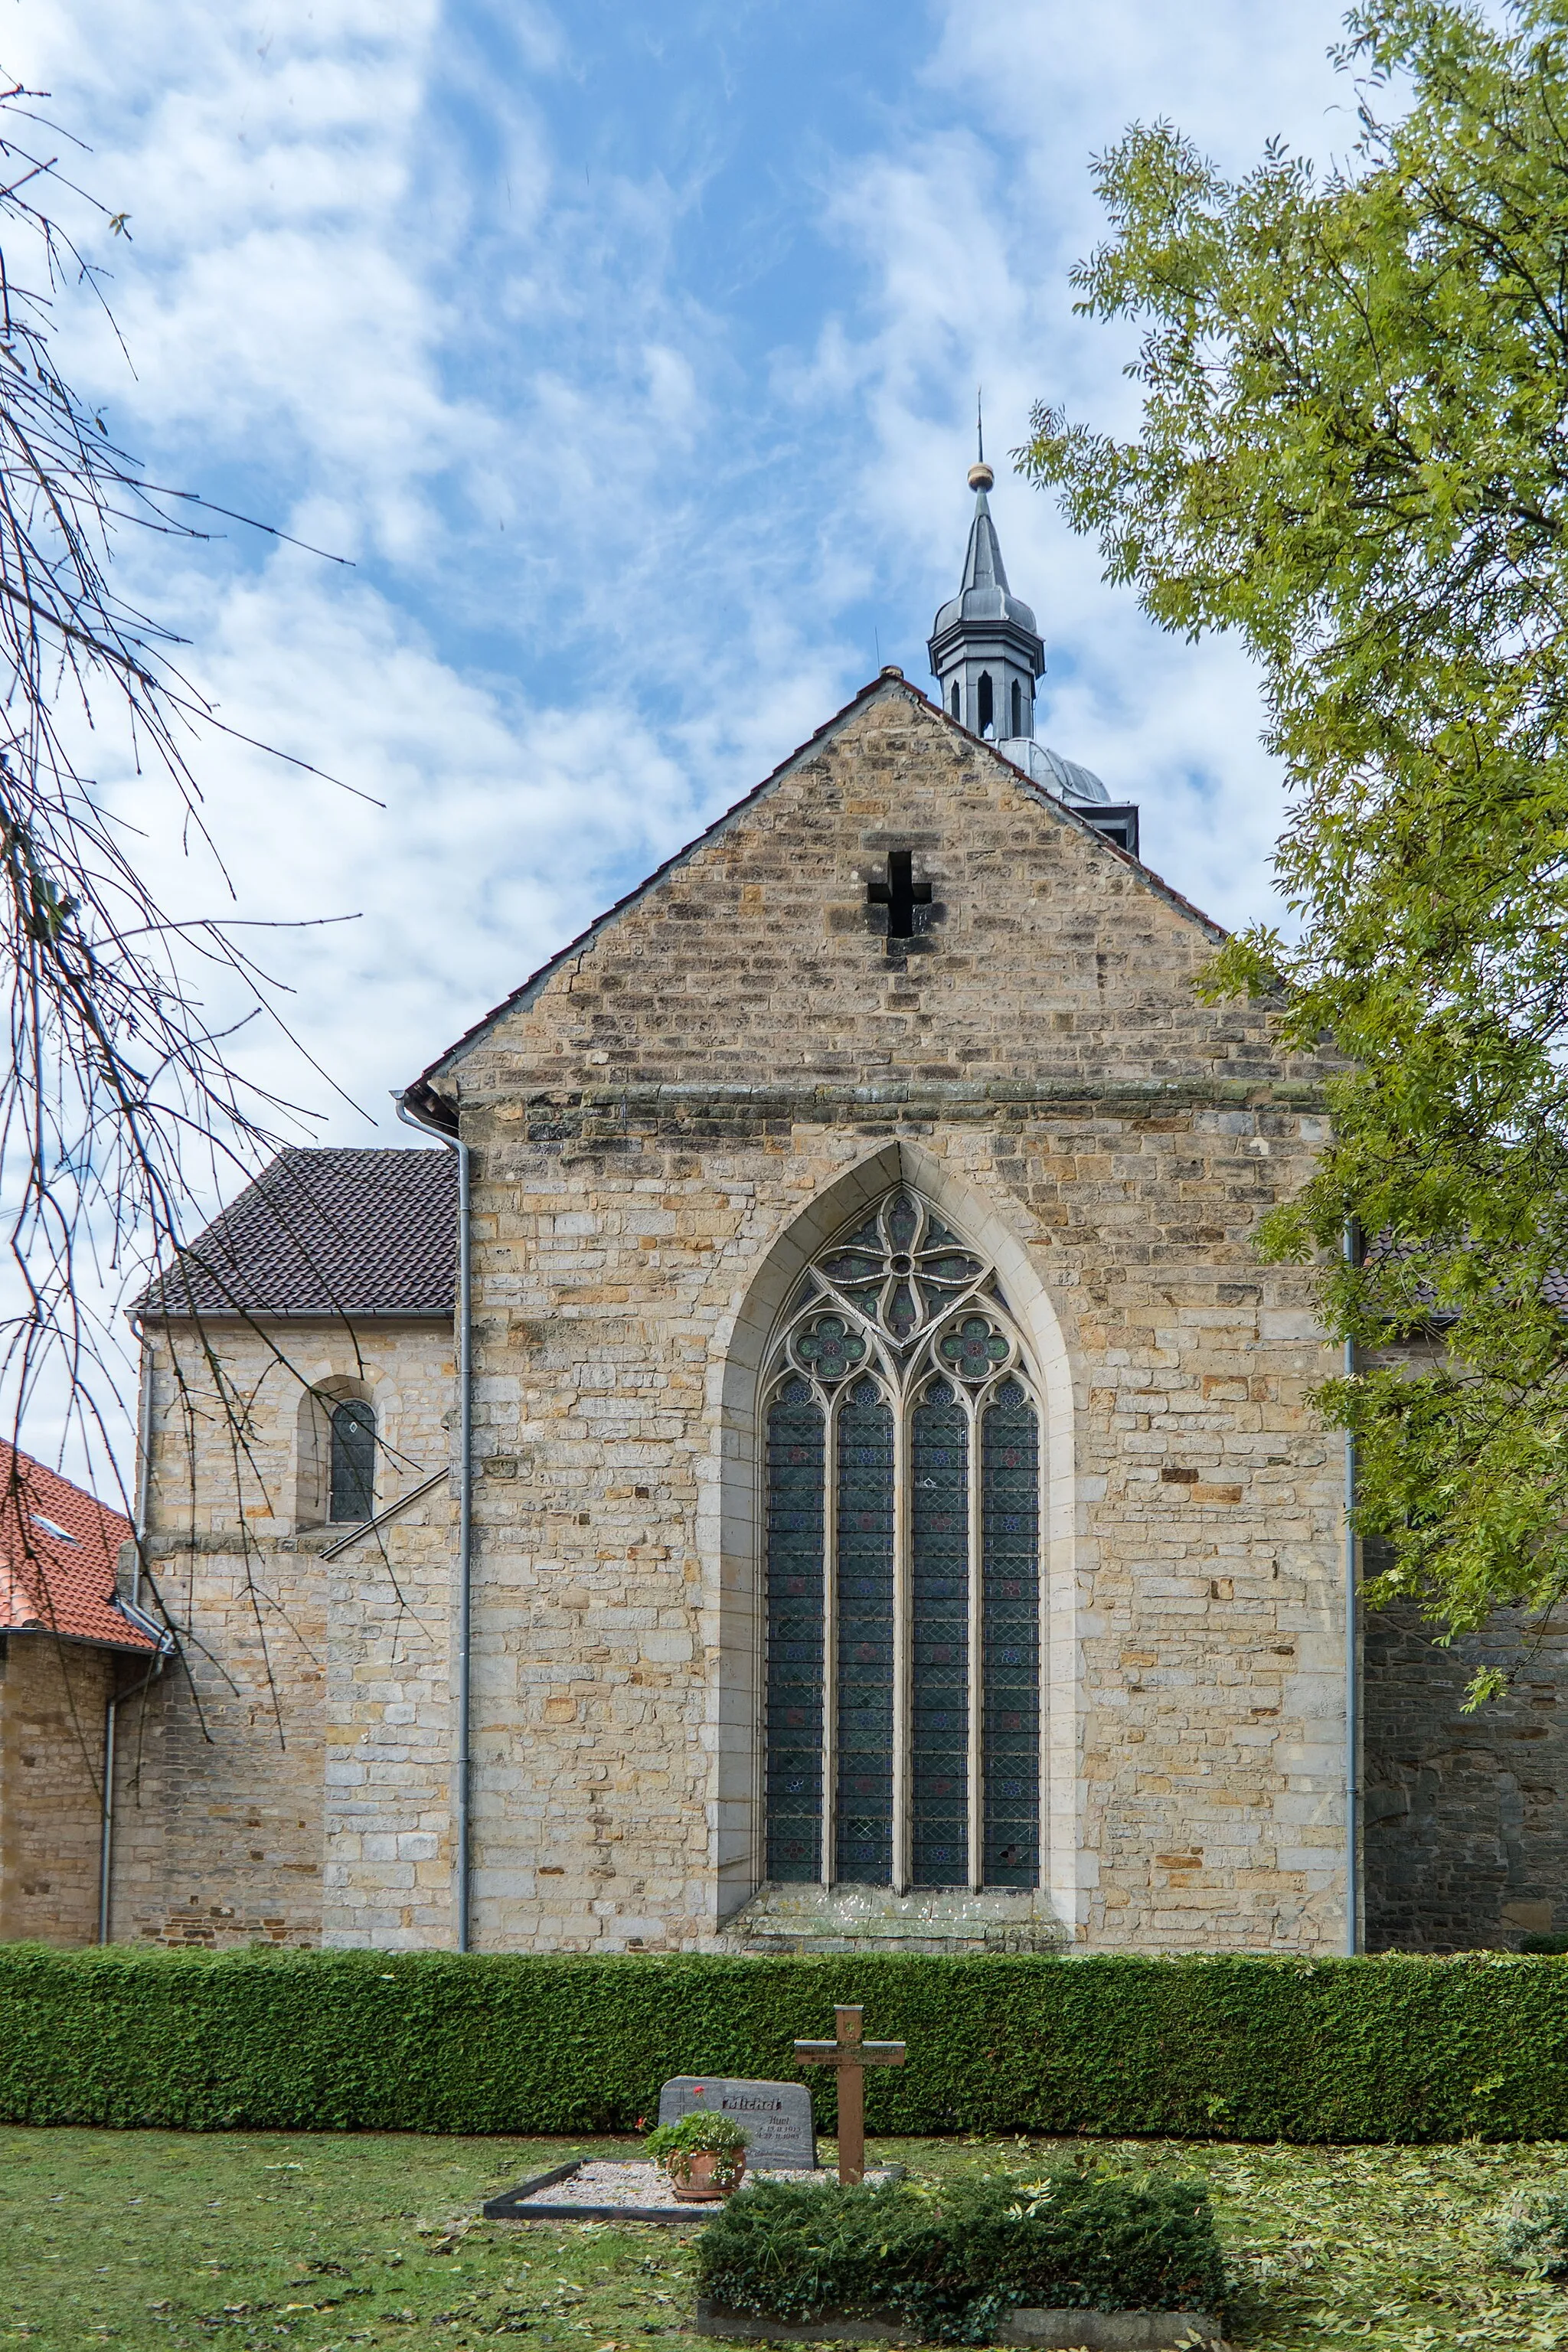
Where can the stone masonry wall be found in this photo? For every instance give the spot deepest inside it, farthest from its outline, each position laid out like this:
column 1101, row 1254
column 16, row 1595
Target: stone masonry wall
column 728, row 1066
column 52, row 1700
column 390, row 1863
column 308, row 1678
column 652, row 1123
column 1466, row 1839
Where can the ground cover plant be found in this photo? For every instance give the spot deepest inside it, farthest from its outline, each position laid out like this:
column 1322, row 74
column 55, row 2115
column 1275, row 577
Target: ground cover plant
column 1534, row 2234
column 167, row 2241
column 953, row 2256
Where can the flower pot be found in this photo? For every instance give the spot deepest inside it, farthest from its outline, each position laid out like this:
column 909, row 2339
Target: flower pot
column 692, row 2178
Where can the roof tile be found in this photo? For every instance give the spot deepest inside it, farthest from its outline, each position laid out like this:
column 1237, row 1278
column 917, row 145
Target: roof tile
column 59, row 1547
column 325, row 1232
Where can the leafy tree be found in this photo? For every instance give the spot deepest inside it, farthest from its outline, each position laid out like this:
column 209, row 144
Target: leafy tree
column 1353, row 451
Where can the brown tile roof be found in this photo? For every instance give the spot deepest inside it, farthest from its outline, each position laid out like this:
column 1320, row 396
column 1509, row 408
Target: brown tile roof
column 57, row 1551
column 327, row 1231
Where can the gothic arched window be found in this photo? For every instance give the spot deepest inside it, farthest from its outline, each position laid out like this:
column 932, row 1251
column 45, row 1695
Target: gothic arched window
column 983, row 700
column 901, row 1444
column 1018, row 726
column 352, row 1490
column 957, row 702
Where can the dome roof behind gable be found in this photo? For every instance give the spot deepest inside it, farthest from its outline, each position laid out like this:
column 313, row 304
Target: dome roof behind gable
column 1066, row 778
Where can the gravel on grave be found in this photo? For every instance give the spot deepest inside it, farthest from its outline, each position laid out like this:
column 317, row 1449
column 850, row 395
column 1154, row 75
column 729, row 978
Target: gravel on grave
column 602, row 2183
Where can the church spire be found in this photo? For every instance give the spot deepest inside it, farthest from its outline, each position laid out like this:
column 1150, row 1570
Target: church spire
column 986, row 651
column 986, row 655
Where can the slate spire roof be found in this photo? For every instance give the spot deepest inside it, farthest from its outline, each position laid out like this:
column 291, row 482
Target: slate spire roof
column 983, row 594
column 326, row 1231
column 59, row 1549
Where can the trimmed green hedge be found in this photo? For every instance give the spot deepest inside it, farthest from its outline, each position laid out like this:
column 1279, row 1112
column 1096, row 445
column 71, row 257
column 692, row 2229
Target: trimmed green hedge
column 953, row 2260
column 1229, row 2048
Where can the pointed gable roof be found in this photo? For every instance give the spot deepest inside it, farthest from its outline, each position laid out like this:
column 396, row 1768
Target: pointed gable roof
column 425, row 1092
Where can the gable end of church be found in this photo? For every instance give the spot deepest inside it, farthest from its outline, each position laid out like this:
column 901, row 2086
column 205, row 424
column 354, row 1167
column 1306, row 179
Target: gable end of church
column 887, row 700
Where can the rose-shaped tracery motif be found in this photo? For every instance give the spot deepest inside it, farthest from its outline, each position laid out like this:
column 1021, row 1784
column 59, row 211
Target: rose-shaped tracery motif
column 902, row 1268
column 829, row 1348
column 974, row 1348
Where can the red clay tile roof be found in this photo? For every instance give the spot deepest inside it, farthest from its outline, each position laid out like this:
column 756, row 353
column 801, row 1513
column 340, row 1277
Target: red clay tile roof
column 327, row 1231
column 57, row 1551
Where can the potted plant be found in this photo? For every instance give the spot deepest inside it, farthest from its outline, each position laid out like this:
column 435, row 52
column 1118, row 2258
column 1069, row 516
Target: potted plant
column 703, row 2157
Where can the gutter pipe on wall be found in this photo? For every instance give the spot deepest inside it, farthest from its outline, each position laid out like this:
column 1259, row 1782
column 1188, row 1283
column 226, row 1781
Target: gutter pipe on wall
column 143, row 1467
column 106, row 1834
column 1351, row 1252
column 111, row 1707
column 461, row 1770
column 106, row 1842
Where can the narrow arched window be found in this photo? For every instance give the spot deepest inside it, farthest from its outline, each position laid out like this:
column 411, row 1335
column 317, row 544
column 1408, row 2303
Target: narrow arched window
column 1018, row 726
column 901, row 1450
column 353, row 1484
column 986, row 714
column 957, row 702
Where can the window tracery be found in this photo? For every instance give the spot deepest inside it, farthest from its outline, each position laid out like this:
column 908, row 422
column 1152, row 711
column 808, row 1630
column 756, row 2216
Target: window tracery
column 902, row 1472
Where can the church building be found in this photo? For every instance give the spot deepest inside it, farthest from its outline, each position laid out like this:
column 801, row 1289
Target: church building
column 802, row 1452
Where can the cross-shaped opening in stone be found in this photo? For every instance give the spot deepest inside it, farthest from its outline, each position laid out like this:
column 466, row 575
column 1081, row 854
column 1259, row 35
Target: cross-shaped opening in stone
column 901, row 894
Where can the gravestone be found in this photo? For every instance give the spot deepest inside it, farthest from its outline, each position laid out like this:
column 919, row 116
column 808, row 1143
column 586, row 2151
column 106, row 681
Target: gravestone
column 776, row 2115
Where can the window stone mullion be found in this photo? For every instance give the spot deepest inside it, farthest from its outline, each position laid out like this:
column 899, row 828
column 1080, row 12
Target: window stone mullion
column 976, row 1788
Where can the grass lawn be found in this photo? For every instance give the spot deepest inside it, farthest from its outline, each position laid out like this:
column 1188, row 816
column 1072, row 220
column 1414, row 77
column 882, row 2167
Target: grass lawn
column 324, row 2240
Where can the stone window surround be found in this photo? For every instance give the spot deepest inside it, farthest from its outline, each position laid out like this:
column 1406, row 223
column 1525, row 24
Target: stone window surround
column 732, row 1508
column 903, row 1376
column 322, row 1389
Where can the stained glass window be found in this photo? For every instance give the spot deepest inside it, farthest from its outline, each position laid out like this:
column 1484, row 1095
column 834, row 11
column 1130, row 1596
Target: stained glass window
column 865, row 1565
column 939, row 1806
column 352, row 1483
column 1011, row 1536
column 902, row 1611
column 795, row 1634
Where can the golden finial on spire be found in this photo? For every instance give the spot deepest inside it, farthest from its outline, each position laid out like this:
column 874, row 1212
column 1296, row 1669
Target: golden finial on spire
column 981, row 477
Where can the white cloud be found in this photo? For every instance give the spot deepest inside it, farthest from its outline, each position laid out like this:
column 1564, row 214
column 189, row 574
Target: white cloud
column 967, row 235
column 621, row 540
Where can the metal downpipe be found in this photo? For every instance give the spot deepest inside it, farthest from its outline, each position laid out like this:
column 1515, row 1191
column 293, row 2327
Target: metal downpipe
column 462, row 1762
column 106, row 1846
column 111, row 1707
column 106, row 1834
column 1353, row 1936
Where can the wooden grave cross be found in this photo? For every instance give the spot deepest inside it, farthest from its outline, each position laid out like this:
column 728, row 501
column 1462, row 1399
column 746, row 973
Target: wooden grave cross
column 849, row 2054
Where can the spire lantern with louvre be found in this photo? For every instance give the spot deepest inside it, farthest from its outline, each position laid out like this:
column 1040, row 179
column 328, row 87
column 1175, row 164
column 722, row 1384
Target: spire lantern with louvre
column 986, row 651
column 986, row 655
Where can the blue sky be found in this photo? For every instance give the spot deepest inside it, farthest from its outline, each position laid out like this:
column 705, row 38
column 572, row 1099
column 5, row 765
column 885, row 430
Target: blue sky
column 629, row 351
